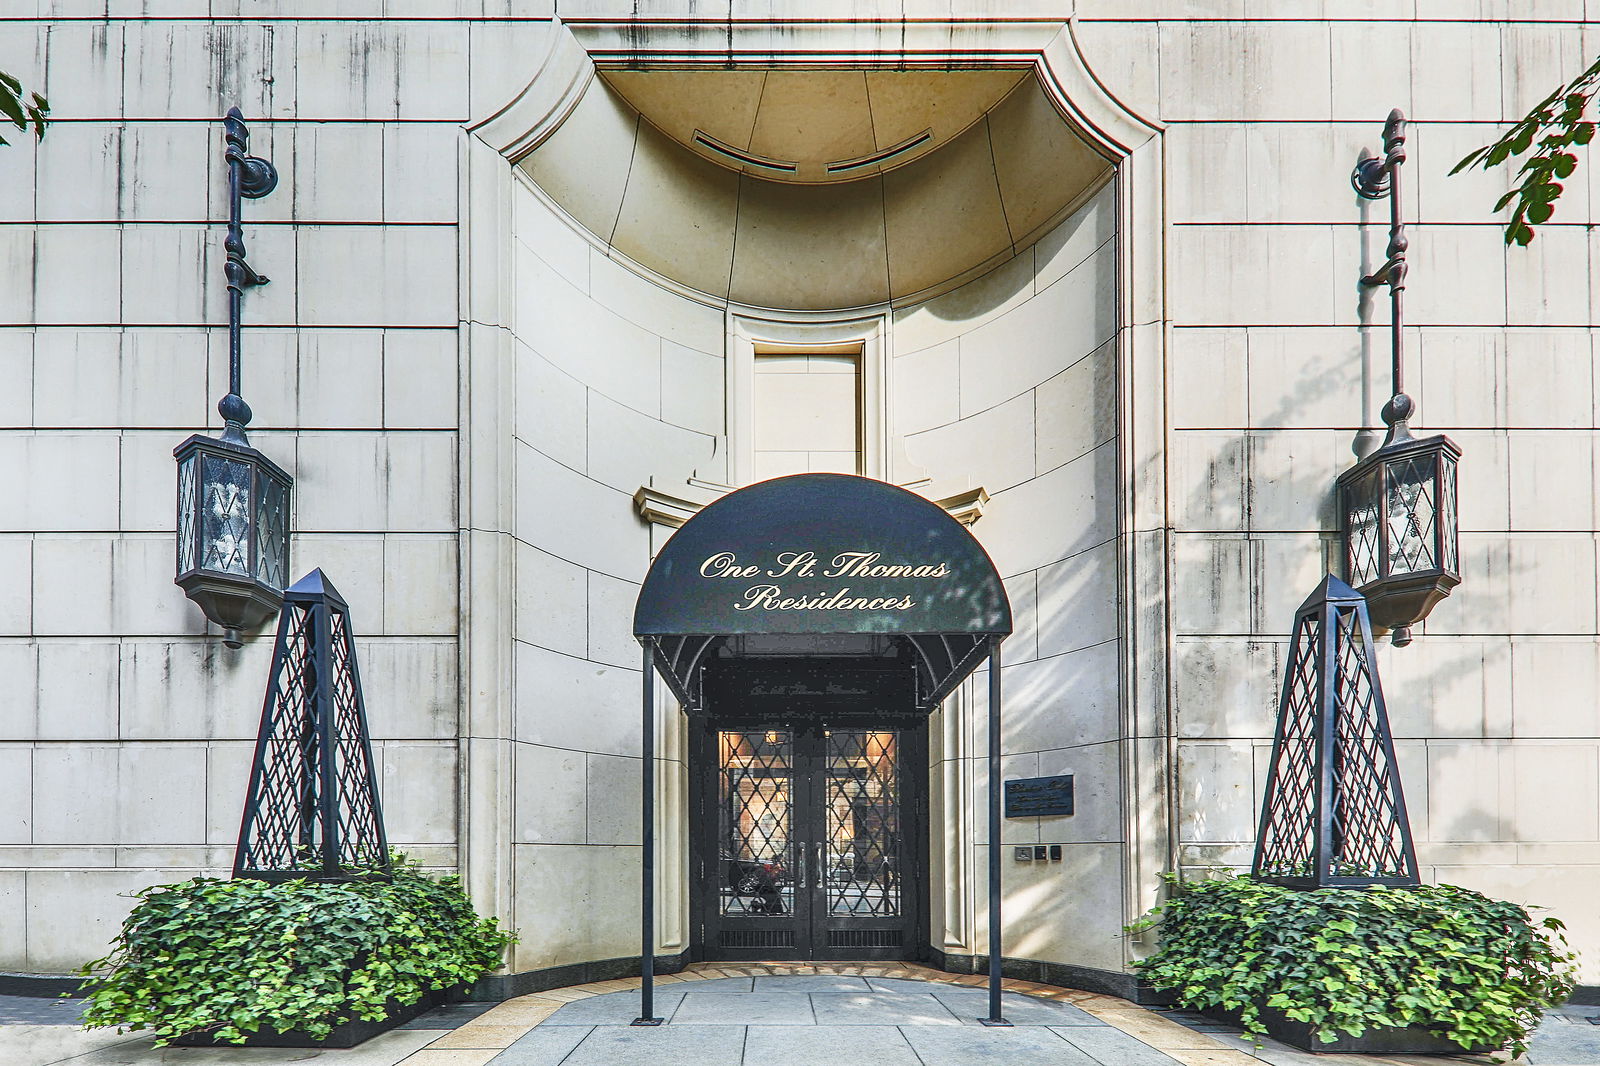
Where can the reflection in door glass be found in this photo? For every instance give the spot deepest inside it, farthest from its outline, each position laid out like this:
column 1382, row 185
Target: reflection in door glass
column 756, row 827
column 863, row 818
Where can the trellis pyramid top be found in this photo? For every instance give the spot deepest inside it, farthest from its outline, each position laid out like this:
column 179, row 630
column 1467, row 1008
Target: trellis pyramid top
column 315, row 586
column 1331, row 590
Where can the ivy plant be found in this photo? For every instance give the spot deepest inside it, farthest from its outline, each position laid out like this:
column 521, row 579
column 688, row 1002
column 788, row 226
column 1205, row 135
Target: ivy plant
column 227, row 958
column 26, row 111
column 1472, row 969
column 1554, row 126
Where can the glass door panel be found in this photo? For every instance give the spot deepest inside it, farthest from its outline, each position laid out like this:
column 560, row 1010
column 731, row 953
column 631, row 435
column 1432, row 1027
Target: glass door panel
column 755, row 834
column 862, row 823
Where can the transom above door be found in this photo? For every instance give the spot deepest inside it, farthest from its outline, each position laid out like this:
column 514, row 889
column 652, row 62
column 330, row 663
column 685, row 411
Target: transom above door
column 809, row 839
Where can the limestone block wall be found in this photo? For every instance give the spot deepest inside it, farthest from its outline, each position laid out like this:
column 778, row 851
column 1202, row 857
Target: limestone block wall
column 1009, row 382
column 1276, row 361
column 125, row 728
column 618, row 381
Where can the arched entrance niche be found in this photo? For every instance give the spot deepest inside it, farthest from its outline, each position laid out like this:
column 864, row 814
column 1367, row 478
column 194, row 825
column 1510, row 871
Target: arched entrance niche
column 619, row 275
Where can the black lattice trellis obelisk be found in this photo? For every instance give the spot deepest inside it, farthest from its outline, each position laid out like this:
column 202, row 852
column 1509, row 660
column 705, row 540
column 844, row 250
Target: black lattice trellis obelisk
column 1333, row 813
column 312, row 809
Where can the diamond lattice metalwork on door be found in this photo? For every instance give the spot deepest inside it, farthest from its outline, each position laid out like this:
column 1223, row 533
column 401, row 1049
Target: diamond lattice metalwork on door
column 809, row 851
column 756, row 834
column 863, row 822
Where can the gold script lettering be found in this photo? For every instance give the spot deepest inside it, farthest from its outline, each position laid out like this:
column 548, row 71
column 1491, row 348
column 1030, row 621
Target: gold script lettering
column 724, row 564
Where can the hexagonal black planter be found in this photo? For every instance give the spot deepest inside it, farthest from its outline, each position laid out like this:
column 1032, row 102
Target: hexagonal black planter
column 1390, row 1040
column 349, row 1034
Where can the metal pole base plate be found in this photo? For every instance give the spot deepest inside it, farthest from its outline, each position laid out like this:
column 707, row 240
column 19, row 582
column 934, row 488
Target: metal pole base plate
column 994, row 1023
column 658, row 1021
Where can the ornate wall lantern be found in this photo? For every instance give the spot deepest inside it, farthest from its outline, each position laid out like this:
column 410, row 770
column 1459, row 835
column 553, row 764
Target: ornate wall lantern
column 234, row 502
column 1397, row 506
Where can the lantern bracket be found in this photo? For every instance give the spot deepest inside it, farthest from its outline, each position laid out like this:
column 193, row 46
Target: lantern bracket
column 1375, row 179
column 250, row 177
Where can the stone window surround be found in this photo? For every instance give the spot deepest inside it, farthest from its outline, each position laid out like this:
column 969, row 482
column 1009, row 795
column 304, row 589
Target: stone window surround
column 750, row 331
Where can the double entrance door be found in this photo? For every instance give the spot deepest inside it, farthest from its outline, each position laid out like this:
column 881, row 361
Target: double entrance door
column 809, row 838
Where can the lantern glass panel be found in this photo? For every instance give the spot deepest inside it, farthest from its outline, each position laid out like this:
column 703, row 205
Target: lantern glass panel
column 1361, row 522
column 1412, row 512
column 225, row 515
column 272, row 530
column 1449, row 553
column 186, row 515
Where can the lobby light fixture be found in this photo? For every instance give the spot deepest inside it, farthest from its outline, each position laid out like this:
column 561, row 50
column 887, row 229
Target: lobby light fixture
column 1397, row 506
column 234, row 502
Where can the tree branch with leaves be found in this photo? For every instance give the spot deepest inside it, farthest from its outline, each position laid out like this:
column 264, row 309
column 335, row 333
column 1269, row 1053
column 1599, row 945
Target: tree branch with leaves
column 1549, row 131
column 26, row 112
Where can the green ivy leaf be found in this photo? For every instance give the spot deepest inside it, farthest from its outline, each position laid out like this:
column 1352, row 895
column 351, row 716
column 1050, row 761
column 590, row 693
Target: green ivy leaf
column 1347, row 960
column 230, row 957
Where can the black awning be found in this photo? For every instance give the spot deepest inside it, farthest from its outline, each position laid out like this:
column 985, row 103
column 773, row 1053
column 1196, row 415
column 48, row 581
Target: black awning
column 823, row 555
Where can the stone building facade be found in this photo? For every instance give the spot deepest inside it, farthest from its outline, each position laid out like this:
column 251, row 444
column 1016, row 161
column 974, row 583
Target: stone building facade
column 530, row 265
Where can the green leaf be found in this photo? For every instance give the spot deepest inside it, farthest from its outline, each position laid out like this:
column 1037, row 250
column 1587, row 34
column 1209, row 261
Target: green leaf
column 1348, row 960
column 1470, row 158
column 233, row 956
column 11, row 108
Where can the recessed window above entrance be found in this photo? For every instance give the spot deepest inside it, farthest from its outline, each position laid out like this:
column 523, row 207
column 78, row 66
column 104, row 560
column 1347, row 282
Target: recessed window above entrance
column 807, row 413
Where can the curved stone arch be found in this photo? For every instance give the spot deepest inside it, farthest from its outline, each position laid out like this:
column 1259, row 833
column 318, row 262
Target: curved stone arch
column 559, row 81
column 576, row 49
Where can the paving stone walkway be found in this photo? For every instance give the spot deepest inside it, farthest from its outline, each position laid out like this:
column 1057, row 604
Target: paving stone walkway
column 771, row 1015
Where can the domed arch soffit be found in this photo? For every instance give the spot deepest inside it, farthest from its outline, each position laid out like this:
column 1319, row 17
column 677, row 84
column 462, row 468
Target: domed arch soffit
column 830, row 178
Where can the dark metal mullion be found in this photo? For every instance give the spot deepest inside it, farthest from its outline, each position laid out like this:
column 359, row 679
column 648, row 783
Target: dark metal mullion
column 647, row 904
column 307, row 741
column 807, row 821
column 1327, row 707
column 321, row 652
column 994, row 1018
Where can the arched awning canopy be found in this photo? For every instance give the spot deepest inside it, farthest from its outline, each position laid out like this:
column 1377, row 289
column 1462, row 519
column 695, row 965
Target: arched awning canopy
column 822, row 556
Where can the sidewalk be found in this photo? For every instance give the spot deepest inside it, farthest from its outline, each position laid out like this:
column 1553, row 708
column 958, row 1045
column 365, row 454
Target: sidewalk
column 781, row 1014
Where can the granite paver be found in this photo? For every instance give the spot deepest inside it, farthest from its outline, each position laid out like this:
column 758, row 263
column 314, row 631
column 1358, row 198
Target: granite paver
column 780, row 1014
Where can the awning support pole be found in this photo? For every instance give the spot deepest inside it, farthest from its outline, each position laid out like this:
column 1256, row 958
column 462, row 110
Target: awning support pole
column 647, row 891
column 995, row 785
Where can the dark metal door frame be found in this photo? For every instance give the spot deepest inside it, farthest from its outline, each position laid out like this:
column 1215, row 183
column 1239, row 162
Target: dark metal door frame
column 808, row 930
